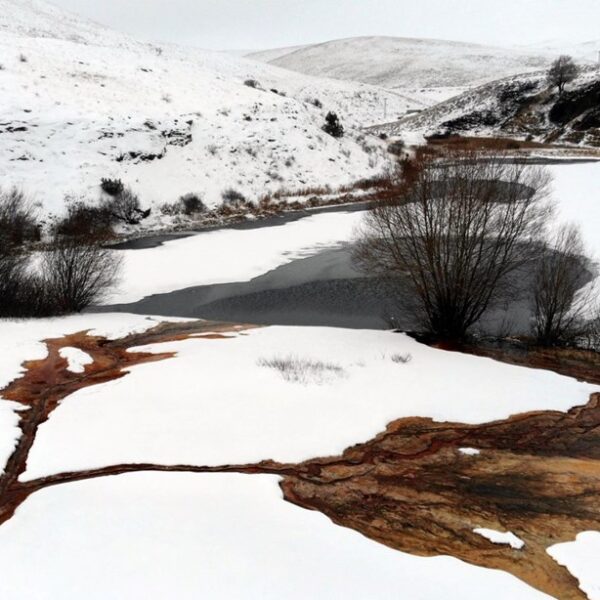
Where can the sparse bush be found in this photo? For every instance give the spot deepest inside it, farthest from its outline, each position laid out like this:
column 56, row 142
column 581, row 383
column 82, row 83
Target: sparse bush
column 112, row 187
column 332, row 126
column 252, row 83
column 125, row 207
column 70, row 277
column 232, row 197
column 167, row 98
column 402, row 359
column 397, row 148
column 14, row 289
column 212, row 149
column 383, row 136
column 192, row 204
column 23, row 58
column 75, row 275
column 316, row 103
column 560, row 305
column 18, row 224
column 86, row 221
column 303, row 371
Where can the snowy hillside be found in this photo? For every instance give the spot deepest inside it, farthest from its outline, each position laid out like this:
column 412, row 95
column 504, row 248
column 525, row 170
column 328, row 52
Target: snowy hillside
column 521, row 107
column 81, row 102
column 411, row 65
column 39, row 19
column 583, row 51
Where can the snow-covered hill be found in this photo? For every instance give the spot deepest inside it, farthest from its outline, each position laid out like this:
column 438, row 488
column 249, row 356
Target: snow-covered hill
column 520, row 107
column 583, row 51
column 80, row 102
column 410, row 65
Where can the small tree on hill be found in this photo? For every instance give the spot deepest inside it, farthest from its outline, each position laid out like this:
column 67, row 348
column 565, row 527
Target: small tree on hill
column 563, row 71
column 333, row 126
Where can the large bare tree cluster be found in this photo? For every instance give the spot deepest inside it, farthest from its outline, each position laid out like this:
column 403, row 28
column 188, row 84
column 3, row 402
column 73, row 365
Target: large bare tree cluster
column 459, row 234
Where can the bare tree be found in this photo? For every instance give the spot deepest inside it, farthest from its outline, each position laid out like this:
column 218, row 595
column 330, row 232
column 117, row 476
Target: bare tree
column 76, row 274
column 562, row 71
column 18, row 222
column 458, row 230
column 561, row 303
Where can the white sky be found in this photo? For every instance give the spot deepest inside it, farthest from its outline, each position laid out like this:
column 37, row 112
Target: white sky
column 248, row 24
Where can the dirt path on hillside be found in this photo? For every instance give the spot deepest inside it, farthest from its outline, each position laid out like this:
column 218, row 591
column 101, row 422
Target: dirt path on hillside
column 413, row 487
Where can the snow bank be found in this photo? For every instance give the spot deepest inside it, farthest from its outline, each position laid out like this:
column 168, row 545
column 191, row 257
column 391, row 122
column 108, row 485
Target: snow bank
column 577, row 193
column 580, row 557
column 223, row 537
column 215, row 404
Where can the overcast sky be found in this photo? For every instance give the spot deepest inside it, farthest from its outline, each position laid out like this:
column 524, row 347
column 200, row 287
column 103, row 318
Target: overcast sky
column 249, row 24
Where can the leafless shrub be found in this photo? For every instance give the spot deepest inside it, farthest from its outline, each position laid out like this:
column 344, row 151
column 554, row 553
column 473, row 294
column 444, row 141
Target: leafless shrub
column 86, row 221
column 252, row 83
column 18, row 223
column 303, row 371
column 76, row 274
column 13, row 283
column 560, row 306
column 402, row 359
column 192, row 204
column 125, row 207
column 112, row 187
column 397, row 148
column 233, row 197
column 456, row 232
column 23, row 58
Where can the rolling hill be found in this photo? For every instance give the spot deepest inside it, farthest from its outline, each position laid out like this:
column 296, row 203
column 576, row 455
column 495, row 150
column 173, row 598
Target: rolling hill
column 409, row 65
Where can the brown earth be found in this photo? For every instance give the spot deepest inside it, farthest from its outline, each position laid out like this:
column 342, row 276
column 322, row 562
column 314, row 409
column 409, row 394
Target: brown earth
column 411, row 488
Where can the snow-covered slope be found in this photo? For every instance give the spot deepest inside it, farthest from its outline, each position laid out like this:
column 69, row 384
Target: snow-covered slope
column 39, row 19
column 521, row 107
column 409, row 64
column 80, row 102
column 584, row 51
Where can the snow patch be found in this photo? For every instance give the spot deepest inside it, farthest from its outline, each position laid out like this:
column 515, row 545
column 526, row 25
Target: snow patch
column 581, row 557
column 469, row 451
column 499, row 537
column 77, row 359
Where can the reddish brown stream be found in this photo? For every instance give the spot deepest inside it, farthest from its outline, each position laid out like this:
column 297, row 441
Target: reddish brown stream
column 537, row 475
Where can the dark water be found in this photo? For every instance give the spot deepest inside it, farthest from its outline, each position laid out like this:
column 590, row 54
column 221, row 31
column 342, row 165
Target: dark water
column 322, row 290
